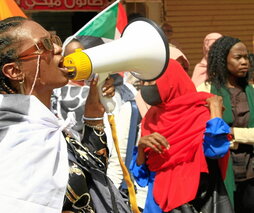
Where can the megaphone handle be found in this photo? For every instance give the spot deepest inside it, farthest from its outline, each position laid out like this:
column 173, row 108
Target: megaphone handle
column 108, row 103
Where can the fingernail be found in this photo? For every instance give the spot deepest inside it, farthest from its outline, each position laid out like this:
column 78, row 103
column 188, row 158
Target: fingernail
column 103, row 89
column 168, row 147
column 96, row 76
column 104, row 94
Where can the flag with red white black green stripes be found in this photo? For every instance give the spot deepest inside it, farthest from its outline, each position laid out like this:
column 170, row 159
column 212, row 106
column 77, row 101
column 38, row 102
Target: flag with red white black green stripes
column 104, row 27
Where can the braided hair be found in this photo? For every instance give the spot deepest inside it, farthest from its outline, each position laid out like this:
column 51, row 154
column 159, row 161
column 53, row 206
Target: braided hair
column 8, row 49
column 217, row 61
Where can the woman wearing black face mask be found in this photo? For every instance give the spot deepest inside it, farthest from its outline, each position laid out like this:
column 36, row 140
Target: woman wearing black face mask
column 177, row 135
column 150, row 93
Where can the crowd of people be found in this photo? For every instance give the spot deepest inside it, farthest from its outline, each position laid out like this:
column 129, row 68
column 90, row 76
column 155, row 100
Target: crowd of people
column 188, row 143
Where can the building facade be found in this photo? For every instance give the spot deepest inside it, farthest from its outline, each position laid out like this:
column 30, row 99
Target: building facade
column 191, row 20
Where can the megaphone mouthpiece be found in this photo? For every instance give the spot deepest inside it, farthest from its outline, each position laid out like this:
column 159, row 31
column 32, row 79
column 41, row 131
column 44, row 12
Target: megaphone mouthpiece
column 78, row 64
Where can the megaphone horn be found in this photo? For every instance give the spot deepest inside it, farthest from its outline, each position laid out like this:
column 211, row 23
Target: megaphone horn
column 142, row 50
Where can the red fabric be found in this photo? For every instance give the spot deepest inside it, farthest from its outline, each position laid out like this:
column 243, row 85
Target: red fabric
column 223, row 165
column 181, row 118
column 121, row 18
column 223, row 162
column 121, row 23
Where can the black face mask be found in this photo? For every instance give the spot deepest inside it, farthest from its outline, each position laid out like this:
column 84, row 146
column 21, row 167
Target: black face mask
column 151, row 95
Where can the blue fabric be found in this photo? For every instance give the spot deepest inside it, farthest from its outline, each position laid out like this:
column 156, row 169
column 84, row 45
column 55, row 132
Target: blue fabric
column 144, row 177
column 140, row 173
column 132, row 137
column 215, row 145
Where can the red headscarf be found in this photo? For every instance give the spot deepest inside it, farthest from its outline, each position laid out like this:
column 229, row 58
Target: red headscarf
column 181, row 118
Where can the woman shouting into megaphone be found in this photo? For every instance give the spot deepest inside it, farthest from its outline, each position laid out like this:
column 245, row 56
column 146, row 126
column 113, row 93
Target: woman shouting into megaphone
column 45, row 166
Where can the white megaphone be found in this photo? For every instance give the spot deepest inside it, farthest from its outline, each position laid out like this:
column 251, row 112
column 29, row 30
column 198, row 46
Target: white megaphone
column 142, row 50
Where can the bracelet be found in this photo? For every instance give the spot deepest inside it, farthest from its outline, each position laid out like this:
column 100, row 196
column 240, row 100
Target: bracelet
column 230, row 137
column 91, row 119
column 99, row 127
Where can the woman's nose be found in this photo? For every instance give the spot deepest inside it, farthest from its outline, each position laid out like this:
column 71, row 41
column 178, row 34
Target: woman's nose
column 57, row 49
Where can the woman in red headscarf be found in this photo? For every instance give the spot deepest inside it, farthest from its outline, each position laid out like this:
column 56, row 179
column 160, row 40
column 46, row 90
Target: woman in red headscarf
column 178, row 132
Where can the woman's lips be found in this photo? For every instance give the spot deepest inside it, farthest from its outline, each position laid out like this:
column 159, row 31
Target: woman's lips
column 244, row 70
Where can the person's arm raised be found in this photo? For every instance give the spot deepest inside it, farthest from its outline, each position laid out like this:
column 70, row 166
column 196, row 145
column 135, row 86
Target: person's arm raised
column 215, row 104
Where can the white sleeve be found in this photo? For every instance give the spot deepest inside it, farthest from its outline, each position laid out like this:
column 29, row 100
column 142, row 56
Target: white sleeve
column 204, row 87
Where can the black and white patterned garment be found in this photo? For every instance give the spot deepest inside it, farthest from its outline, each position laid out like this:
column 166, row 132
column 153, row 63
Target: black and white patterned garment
column 93, row 147
column 70, row 98
column 89, row 189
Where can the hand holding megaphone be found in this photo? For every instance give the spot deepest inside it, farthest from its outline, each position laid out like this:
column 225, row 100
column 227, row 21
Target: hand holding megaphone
column 80, row 67
column 142, row 50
